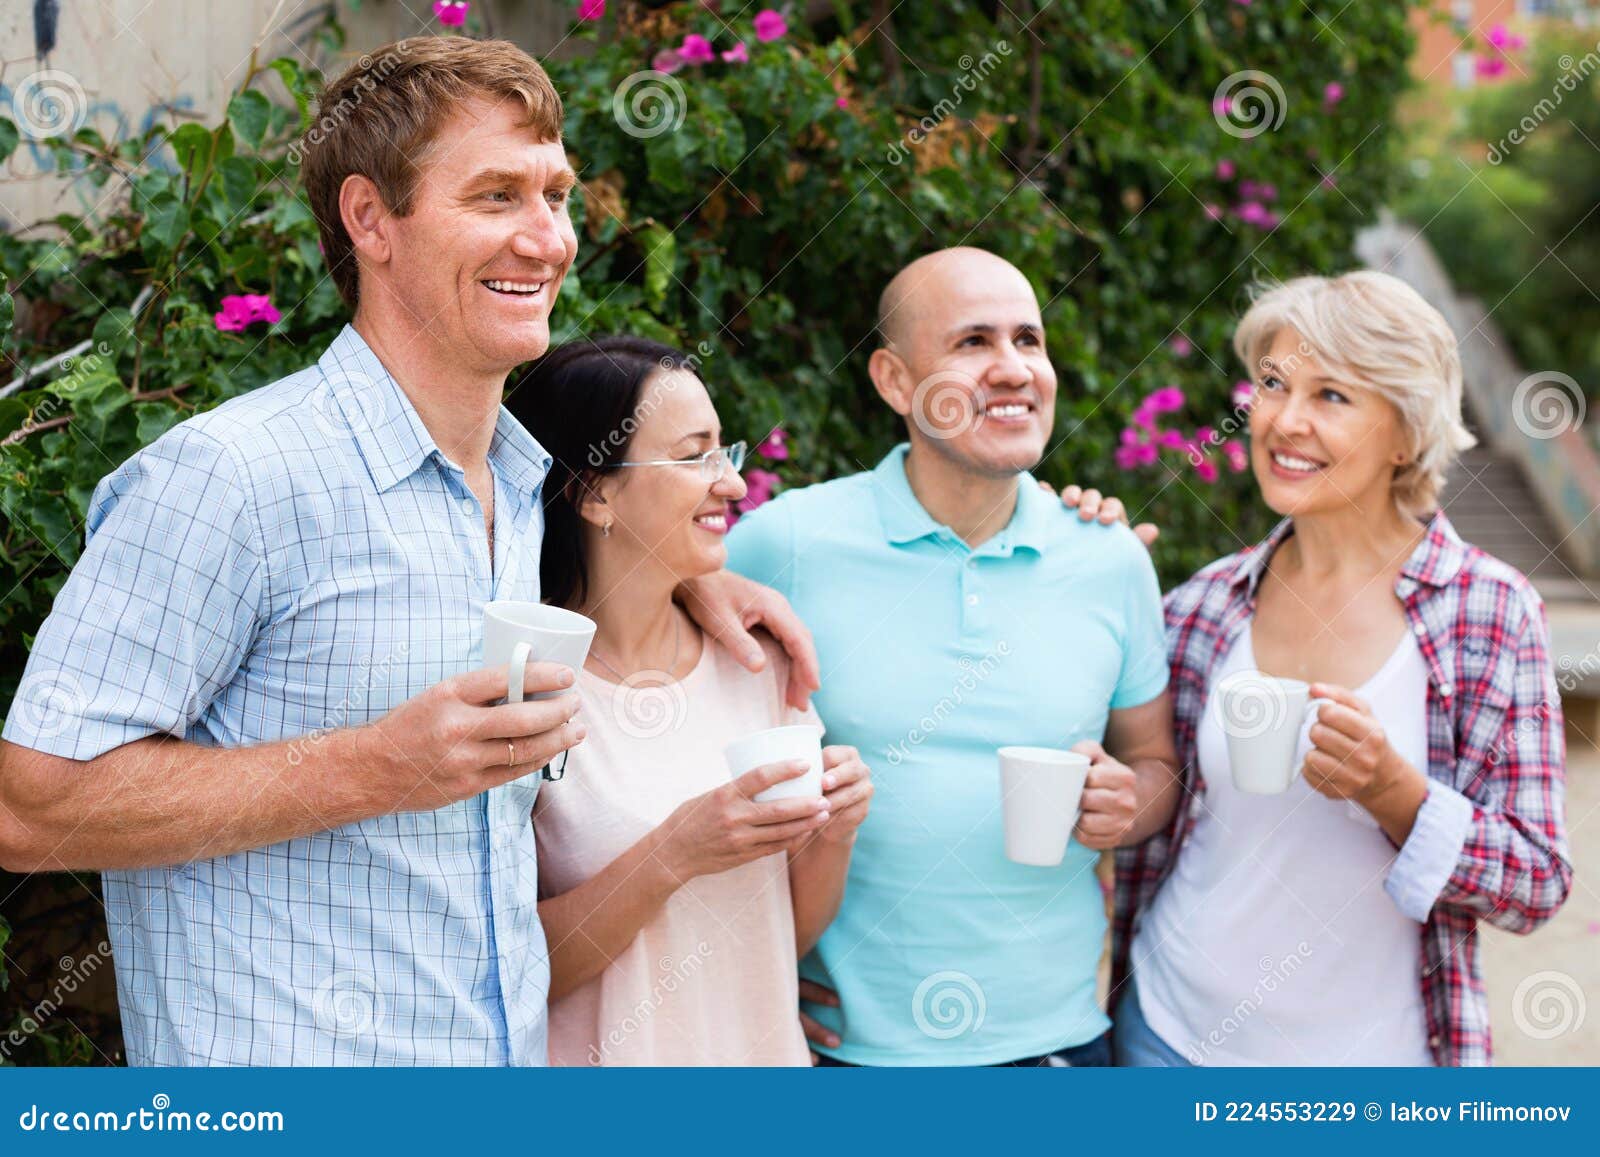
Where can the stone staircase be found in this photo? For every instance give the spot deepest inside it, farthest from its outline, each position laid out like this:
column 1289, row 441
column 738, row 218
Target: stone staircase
column 1493, row 507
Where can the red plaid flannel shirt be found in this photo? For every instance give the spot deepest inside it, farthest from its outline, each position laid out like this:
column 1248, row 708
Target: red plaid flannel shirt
column 1495, row 735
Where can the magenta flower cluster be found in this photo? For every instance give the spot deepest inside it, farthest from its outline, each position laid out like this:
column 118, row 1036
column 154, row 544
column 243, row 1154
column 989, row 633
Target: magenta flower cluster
column 697, row 50
column 759, row 483
column 1143, row 442
column 240, row 311
column 1502, row 43
column 1253, row 200
column 453, row 13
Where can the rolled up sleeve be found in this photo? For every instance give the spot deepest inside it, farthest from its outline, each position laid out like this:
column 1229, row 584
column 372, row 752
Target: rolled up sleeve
column 1430, row 854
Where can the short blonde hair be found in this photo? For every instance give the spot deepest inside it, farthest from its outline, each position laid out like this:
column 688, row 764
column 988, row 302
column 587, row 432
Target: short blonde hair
column 1376, row 332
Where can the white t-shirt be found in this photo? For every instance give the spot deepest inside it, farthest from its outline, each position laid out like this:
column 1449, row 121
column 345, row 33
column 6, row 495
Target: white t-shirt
column 1273, row 941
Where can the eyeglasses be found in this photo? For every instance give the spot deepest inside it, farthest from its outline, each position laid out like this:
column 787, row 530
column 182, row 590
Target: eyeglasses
column 713, row 463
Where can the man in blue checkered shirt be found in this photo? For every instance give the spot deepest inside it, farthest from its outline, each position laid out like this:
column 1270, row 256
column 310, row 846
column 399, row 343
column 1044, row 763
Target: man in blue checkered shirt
column 255, row 704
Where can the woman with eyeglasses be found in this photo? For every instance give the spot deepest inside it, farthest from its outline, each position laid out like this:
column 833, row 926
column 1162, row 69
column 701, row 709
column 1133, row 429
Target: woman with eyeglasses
column 675, row 906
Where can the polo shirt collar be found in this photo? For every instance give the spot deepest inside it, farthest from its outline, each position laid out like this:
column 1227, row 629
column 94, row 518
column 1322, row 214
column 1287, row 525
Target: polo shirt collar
column 905, row 519
column 389, row 433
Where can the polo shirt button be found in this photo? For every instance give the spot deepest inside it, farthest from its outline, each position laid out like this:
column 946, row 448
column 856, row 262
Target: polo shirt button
column 1433, row 1042
column 1446, row 690
column 972, row 600
column 1419, row 630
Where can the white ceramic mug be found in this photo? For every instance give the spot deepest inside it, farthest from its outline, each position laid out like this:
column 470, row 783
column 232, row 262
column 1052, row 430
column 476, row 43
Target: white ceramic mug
column 779, row 745
column 515, row 632
column 1263, row 717
column 1040, row 789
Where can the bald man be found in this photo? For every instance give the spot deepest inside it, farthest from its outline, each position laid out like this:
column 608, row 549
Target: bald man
column 958, row 609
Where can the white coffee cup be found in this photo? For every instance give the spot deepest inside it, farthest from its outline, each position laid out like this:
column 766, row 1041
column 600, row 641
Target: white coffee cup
column 515, row 632
column 1263, row 717
column 780, row 745
column 1040, row 789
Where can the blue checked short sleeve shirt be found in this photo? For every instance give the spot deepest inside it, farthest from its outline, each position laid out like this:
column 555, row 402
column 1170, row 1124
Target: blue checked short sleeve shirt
column 301, row 558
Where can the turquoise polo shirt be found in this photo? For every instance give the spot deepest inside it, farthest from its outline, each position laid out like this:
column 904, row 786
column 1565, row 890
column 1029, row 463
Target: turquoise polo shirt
column 934, row 654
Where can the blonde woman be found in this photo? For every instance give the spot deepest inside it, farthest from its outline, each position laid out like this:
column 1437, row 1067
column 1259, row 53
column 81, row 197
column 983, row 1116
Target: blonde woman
column 1336, row 923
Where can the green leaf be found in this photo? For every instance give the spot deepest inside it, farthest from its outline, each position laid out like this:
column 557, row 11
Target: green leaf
column 193, row 145
column 154, row 420
column 164, row 226
column 249, row 113
column 299, row 86
column 660, row 256
column 8, row 314
column 9, row 138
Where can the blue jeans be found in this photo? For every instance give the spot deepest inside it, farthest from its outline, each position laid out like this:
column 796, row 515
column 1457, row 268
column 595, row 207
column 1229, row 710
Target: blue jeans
column 1134, row 1042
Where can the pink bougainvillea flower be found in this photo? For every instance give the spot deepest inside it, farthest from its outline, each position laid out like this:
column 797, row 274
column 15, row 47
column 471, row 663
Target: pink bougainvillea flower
column 1225, row 170
column 667, row 61
column 1332, row 93
column 1267, row 192
column 738, row 54
column 1145, row 416
column 245, row 309
column 1490, row 65
column 1251, row 212
column 1145, row 453
column 591, row 9
column 1131, row 436
column 1329, row 181
column 770, row 25
column 1181, row 345
column 1222, row 106
column 775, row 445
column 841, row 102
column 451, row 13
column 759, row 485
column 1207, row 470
column 696, row 49
column 1126, row 457
column 1242, row 3
column 1214, row 212
column 1502, row 38
column 1248, row 190
column 1244, row 395
column 1166, row 400
column 1205, row 435
column 1238, row 459
column 1171, row 440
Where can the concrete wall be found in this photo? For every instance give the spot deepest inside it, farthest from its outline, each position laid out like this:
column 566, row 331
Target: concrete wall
column 123, row 65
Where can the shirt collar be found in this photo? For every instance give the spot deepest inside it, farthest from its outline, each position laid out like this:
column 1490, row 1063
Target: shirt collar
column 905, row 519
column 1435, row 561
column 389, row 433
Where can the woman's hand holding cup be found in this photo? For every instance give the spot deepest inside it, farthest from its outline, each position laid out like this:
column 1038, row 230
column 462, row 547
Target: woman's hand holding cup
column 847, row 787
column 726, row 828
column 1350, row 757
